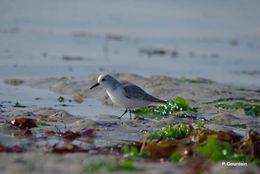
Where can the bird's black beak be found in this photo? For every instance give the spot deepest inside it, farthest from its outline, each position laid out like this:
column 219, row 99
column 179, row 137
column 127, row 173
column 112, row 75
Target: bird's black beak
column 94, row 86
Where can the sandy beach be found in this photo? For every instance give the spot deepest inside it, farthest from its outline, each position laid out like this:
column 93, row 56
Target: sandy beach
column 109, row 130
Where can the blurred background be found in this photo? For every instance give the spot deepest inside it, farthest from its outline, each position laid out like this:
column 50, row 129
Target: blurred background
column 218, row 40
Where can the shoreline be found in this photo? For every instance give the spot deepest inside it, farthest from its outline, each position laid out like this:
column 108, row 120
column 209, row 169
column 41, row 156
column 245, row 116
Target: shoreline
column 109, row 130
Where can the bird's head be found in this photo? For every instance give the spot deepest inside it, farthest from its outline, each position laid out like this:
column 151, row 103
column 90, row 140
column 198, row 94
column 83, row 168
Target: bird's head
column 103, row 80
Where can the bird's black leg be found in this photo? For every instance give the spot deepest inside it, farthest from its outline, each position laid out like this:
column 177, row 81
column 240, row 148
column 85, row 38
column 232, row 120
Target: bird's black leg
column 123, row 114
column 130, row 114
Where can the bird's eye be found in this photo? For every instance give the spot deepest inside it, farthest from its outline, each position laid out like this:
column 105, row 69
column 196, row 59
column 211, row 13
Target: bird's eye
column 102, row 80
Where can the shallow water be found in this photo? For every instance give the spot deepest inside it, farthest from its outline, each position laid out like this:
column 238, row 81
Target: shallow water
column 37, row 98
column 216, row 40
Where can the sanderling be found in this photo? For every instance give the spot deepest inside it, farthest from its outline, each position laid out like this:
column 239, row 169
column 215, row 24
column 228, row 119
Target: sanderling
column 126, row 94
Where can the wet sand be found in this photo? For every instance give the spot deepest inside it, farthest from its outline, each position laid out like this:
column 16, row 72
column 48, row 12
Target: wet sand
column 111, row 131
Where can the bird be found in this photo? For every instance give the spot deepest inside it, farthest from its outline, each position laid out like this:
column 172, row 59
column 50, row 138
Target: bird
column 126, row 94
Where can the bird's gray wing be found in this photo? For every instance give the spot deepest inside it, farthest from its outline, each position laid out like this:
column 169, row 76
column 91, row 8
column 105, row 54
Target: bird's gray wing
column 133, row 91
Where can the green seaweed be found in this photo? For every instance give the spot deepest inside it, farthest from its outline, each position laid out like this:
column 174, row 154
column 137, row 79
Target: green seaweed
column 176, row 131
column 176, row 157
column 249, row 109
column 43, row 123
column 256, row 161
column 250, row 100
column 61, row 99
column 200, row 124
column 210, row 146
column 215, row 150
column 251, row 106
column 130, row 151
column 110, row 166
column 251, row 90
column 18, row 105
column 167, row 108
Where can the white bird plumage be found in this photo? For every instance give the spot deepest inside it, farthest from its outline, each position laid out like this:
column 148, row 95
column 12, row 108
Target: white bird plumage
column 126, row 95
